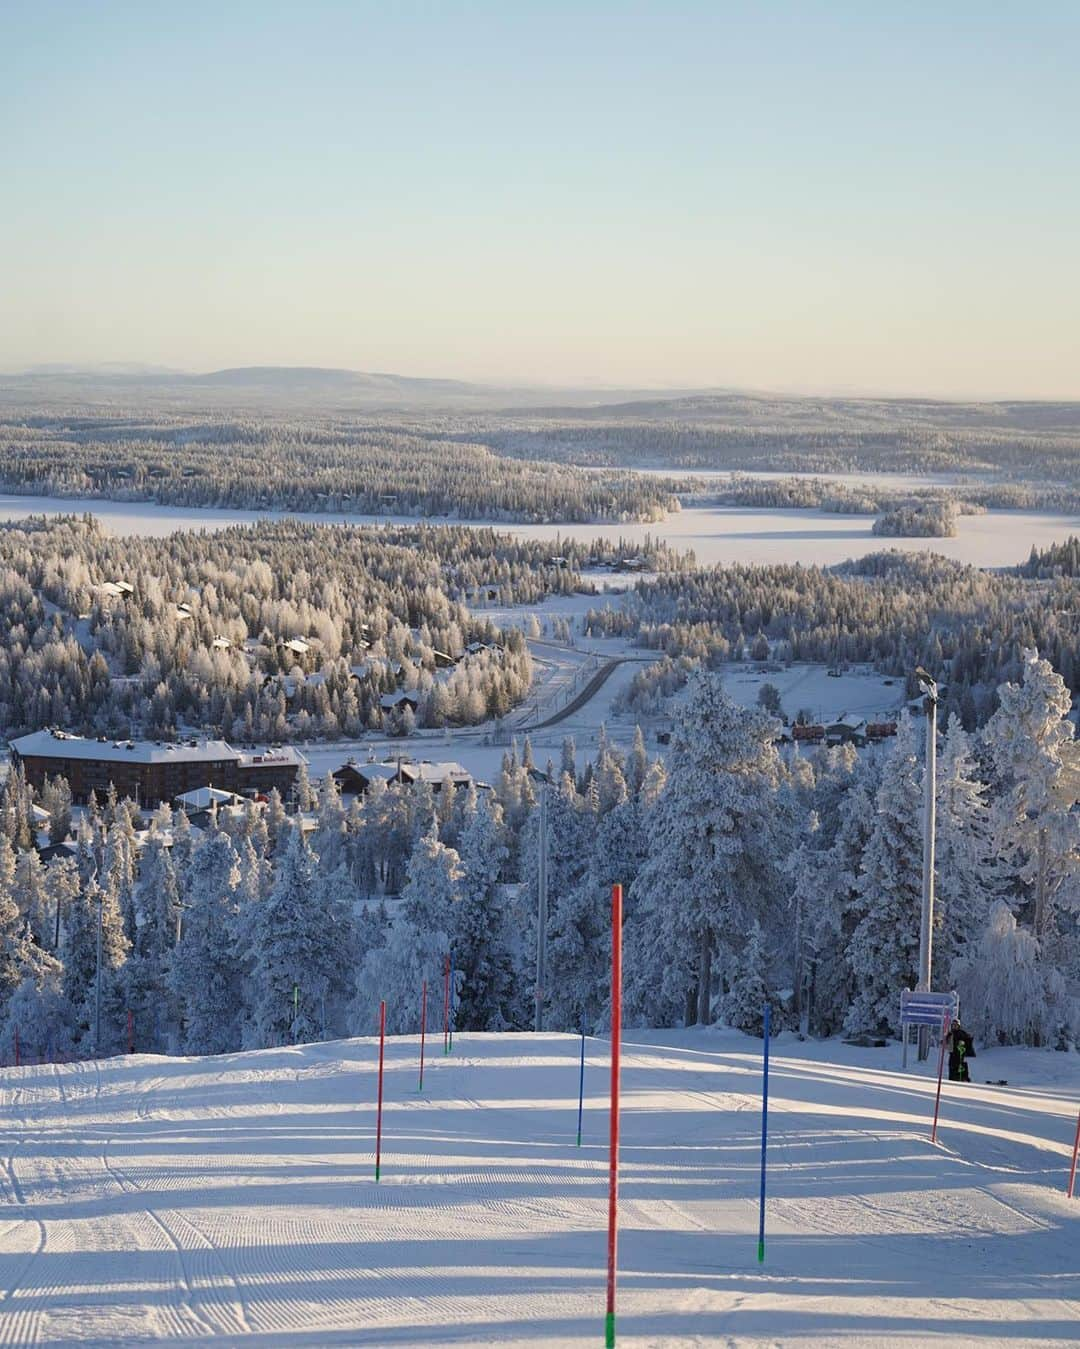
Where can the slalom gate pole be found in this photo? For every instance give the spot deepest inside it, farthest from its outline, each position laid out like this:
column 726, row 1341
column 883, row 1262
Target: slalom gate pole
column 450, row 1016
column 613, row 1148
column 940, row 1074
column 423, row 1032
column 131, row 1032
column 378, row 1116
column 446, row 1008
column 581, row 1082
column 1076, row 1153
column 16, row 1046
column 764, row 1131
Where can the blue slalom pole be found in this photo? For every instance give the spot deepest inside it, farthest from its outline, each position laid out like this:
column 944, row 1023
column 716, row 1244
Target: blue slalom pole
column 581, row 1082
column 450, row 1048
column 764, row 1136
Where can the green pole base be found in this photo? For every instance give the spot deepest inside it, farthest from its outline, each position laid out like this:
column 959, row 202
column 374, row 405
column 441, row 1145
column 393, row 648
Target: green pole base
column 761, row 1252
column 579, row 1138
column 376, row 1173
column 609, row 1330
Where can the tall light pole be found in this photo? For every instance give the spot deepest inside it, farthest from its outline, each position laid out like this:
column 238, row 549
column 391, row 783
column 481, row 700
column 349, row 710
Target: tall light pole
column 926, row 925
column 542, row 908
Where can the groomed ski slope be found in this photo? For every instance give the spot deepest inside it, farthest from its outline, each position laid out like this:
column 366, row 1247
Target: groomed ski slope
column 232, row 1198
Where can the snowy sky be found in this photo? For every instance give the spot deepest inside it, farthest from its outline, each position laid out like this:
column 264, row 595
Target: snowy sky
column 788, row 195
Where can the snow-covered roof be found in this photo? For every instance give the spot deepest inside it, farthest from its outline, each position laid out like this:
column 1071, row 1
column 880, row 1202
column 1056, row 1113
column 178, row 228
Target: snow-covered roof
column 440, row 773
column 202, row 798
column 278, row 754
column 62, row 745
column 392, row 700
column 297, row 645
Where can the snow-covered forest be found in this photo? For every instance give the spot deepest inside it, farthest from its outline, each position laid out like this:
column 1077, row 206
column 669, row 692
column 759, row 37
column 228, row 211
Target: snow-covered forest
column 313, row 464
column 894, row 610
column 1029, row 442
column 748, row 875
column 147, row 636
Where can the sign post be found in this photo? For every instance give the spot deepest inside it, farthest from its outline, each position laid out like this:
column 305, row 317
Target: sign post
column 613, row 1148
column 925, row 1009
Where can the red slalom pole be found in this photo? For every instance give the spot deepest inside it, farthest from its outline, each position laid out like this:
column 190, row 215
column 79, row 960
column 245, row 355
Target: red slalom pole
column 1076, row 1153
column 446, row 1009
column 378, row 1124
column 940, row 1073
column 613, row 1148
column 16, row 1046
column 423, row 1032
column 131, row 1032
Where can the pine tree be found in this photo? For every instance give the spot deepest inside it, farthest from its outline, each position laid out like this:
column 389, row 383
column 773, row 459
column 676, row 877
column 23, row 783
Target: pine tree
column 481, row 939
column 301, row 948
column 418, row 943
column 883, row 953
column 205, row 975
column 744, row 1005
column 966, row 874
column 717, row 839
column 1032, row 746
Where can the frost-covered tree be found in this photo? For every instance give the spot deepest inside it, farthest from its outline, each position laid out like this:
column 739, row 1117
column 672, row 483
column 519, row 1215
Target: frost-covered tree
column 718, row 836
column 482, row 939
column 883, row 953
column 967, row 874
column 301, row 949
column 1036, row 758
column 744, row 1005
column 205, row 974
column 1009, row 994
column 418, row 942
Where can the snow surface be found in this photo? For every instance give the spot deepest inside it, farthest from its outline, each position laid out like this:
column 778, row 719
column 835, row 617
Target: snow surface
column 232, row 1199
column 717, row 534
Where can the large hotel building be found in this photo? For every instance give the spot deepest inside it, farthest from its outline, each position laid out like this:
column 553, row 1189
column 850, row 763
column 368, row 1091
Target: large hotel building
column 150, row 771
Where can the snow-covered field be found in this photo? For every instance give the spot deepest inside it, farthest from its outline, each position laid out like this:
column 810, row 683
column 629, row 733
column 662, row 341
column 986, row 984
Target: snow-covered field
column 233, row 1199
column 717, row 534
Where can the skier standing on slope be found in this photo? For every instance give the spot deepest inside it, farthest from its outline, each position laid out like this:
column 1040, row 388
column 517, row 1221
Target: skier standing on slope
column 961, row 1048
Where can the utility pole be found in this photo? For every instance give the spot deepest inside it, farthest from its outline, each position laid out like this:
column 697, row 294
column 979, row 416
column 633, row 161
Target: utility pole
column 926, row 925
column 542, row 909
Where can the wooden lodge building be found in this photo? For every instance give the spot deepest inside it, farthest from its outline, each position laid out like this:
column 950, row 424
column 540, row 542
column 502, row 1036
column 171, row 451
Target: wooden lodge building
column 151, row 771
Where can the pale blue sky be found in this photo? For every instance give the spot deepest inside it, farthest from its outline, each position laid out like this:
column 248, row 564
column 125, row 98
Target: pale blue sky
column 812, row 195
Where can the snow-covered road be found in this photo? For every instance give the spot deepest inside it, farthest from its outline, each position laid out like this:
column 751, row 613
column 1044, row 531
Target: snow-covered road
column 233, row 1198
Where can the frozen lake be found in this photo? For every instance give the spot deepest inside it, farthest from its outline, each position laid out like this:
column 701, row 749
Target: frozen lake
column 716, row 534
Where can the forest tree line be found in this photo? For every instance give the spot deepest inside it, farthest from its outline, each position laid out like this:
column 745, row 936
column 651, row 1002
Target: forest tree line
column 749, row 876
